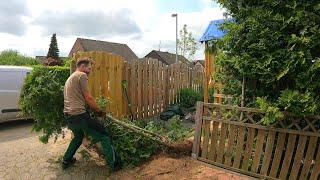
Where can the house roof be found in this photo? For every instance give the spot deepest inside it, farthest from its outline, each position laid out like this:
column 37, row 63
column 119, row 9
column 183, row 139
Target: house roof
column 213, row 31
column 111, row 47
column 170, row 58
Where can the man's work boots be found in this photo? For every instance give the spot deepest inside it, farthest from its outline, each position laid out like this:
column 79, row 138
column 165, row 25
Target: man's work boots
column 66, row 164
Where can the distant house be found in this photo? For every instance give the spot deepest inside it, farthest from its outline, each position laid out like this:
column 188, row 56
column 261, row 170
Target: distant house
column 85, row 45
column 199, row 63
column 167, row 58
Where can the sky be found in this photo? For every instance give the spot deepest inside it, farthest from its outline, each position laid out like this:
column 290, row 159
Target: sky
column 144, row 25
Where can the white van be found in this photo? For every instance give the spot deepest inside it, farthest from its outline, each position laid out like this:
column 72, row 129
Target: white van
column 11, row 81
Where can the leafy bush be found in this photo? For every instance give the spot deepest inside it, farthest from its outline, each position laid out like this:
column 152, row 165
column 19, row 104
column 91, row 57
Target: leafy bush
column 134, row 148
column 274, row 45
column 11, row 57
column 66, row 62
column 131, row 147
column 272, row 113
column 299, row 103
column 42, row 98
column 189, row 97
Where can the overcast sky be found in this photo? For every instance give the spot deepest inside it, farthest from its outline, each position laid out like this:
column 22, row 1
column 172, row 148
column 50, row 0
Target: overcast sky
column 27, row 25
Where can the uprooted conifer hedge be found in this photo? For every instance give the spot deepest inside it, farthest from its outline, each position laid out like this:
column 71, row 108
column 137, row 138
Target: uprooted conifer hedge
column 42, row 99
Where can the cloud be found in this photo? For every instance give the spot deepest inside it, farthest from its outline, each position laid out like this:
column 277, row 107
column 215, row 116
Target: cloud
column 11, row 17
column 91, row 24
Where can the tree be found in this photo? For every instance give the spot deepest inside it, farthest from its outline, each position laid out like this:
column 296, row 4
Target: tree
column 53, row 51
column 275, row 46
column 187, row 44
column 13, row 57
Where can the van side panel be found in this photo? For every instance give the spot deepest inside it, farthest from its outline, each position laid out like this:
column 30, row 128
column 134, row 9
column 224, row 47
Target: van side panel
column 11, row 82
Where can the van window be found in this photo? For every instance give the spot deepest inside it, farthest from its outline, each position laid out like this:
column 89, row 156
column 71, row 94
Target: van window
column 10, row 80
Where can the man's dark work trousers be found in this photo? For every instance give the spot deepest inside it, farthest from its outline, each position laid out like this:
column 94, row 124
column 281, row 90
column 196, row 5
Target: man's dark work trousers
column 83, row 124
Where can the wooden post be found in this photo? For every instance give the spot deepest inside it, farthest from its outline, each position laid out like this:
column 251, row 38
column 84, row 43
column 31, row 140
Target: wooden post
column 242, row 96
column 197, row 135
column 166, row 85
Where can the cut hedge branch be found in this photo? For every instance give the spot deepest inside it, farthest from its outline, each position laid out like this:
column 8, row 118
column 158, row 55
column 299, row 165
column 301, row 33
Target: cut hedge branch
column 156, row 137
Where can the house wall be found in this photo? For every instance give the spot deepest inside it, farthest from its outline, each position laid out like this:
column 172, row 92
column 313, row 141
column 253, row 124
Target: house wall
column 76, row 48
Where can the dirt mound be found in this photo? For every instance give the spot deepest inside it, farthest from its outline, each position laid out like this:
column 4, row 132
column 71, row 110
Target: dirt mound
column 164, row 166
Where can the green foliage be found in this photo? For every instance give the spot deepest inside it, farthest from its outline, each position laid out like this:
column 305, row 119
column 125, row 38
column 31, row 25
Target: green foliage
column 12, row 57
column 211, row 94
column 53, row 51
column 189, row 97
column 275, row 46
column 187, row 44
column 66, row 62
column 42, row 98
column 272, row 113
column 299, row 103
column 134, row 148
column 131, row 147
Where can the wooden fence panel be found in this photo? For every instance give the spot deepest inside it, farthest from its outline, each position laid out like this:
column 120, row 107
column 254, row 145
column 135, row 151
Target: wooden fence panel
column 246, row 146
column 151, row 85
column 230, row 145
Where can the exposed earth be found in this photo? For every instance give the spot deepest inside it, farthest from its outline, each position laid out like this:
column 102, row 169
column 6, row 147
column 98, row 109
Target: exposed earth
column 23, row 156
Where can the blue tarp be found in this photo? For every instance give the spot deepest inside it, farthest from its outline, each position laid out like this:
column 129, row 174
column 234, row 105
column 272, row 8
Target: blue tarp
column 213, row 31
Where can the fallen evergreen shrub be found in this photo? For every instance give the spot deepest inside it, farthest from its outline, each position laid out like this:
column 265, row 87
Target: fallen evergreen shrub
column 42, row 99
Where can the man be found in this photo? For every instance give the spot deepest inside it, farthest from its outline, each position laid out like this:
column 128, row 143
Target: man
column 76, row 96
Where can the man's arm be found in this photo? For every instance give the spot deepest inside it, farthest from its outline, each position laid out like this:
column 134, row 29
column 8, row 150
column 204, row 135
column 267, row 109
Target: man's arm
column 83, row 80
column 91, row 102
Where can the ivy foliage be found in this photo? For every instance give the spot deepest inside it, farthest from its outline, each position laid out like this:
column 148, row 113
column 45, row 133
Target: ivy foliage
column 275, row 46
column 42, row 99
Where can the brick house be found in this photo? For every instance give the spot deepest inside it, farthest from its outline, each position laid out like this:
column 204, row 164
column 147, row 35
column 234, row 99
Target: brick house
column 85, row 45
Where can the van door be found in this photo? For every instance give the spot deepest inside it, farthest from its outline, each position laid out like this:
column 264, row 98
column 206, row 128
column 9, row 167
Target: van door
column 10, row 84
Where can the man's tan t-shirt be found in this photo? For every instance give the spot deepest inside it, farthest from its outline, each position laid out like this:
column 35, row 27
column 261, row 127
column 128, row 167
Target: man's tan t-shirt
column 74, row 101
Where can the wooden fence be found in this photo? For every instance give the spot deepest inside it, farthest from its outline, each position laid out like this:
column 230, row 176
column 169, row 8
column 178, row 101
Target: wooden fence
column 233, row 138
column 148, row 85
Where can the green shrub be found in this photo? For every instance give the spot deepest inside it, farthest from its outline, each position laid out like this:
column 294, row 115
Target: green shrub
column 12, row 57
column 272, row 113
column 66, row 62
column 134, row 148
column 189, row 97
column 211, row 95
column 42, row 99
column 299, row 103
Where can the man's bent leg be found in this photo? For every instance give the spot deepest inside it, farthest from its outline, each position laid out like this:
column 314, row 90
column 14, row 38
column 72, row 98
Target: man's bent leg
column 75, row 142
column 108, row 150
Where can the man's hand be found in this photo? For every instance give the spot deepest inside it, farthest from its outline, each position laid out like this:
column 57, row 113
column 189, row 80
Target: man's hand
column 91, row 102
column 101, row 113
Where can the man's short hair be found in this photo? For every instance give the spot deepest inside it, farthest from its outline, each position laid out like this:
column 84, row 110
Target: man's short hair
column 84, row 60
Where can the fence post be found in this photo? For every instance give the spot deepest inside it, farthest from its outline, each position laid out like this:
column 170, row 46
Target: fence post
column 166, row 85
column 197, row 135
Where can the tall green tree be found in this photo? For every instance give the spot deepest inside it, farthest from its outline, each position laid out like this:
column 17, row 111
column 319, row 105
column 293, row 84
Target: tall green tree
column 187, row 44
column 275, row 45
column 53, row 51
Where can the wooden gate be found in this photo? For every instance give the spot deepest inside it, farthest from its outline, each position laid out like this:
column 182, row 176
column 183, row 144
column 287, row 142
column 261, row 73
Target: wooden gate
column 233, row 138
